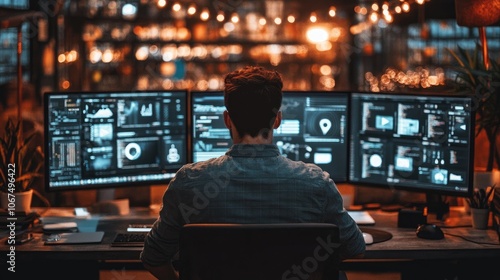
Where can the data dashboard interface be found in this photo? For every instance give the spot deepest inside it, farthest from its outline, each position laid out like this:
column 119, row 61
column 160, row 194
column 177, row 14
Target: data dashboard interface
column 420, row 142
column 96, row 139
column 211, row 137
column 314, row 129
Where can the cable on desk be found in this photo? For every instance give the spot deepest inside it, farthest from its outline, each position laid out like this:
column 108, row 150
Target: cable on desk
column 470, row 240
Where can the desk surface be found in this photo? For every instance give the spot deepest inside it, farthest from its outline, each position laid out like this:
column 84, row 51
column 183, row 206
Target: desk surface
column 404, row 245
column 461, row 240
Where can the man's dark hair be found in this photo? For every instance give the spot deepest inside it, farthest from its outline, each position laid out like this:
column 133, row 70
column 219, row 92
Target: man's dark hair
column 252, row 96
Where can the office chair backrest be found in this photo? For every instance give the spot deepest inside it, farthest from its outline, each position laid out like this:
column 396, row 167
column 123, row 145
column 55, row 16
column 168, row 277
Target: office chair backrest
column 259, row 251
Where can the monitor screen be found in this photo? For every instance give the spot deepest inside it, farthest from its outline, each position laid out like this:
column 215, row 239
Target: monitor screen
column 413, row 142
column 113, row 139
column 313, row 129
column 211, row 138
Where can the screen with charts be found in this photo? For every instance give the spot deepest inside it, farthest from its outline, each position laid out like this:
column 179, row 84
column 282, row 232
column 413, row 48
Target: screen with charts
column 415, row 142
column 112, row 139
column 211, row 138
column 313, row 129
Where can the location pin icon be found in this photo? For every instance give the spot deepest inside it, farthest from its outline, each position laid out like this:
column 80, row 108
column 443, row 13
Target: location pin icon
column 325, row 125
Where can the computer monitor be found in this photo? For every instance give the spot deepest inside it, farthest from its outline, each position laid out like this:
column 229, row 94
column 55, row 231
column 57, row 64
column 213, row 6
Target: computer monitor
column 113, row 139
column 210, row 136
column 313, row 129
column 415, row 142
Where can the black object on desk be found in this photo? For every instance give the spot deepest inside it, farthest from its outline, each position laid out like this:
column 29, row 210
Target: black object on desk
column 129, row 239
column 429, row 231
column 411, row 218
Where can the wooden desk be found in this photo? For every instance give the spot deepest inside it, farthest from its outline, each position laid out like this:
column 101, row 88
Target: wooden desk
column 457, row 228
column 464, row 253
column 403, row 247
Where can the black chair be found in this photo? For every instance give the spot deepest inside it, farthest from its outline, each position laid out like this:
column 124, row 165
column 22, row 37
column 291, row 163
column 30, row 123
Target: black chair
column 259, row 251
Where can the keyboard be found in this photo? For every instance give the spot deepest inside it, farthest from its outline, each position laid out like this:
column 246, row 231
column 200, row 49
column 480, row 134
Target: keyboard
column 129, row 239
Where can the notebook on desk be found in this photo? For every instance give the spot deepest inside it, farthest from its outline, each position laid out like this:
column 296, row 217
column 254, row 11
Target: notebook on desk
column 362, row 218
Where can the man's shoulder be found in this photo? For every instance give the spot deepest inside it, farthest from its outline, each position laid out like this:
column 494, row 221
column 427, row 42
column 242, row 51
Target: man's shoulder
column 306, row 169
column 201, row 168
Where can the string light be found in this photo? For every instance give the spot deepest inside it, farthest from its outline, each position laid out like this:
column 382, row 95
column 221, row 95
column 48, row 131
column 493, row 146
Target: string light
column 192, row 9
column 220, row 16
column 235, row 18
column 262, row 21
column 378, row 12
column 406, row 7
column 332, row 12
column 161, row 3
column 176, row 7
column 389, row 9
column 375, row 11
column 313, row 17
column 205, row 14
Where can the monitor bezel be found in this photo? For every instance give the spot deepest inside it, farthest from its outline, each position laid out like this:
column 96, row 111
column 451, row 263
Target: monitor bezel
column 426, row 190
column 163, row 181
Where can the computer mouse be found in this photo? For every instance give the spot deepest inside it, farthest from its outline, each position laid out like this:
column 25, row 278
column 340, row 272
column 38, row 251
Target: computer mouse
column 368, row 238
column 429, row 231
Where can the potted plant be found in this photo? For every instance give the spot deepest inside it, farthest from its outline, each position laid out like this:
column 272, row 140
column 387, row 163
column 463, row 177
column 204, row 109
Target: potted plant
column 21, row 162
column 480, row 206
column 473, row 77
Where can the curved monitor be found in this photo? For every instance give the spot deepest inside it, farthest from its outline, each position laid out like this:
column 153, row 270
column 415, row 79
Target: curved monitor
column 114, row 139
column 313, row 128
column 413, row 142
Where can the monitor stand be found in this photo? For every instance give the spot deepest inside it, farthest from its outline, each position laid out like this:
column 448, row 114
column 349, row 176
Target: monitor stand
column 418, row 213
column 437, row 205
column 107, row 204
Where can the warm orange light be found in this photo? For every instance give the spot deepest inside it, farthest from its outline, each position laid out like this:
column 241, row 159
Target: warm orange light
column 235, row 18
column 313, row 17
column 317, row 35
column 332, row 12
column 220, row 17
column 406, row 7
column 161, row 3
column 191, row 9
column 205, row 14
column 176, row 7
